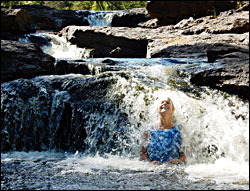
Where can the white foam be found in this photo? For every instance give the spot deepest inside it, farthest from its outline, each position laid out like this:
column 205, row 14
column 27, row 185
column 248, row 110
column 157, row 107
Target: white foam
column 224, row 170
column 88, row 164
column 61, row 49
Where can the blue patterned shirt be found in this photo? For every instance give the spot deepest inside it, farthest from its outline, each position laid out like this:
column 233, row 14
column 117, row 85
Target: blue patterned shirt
column 164, row 145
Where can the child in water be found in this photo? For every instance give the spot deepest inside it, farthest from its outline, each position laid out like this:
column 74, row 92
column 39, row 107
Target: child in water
column 164, row 143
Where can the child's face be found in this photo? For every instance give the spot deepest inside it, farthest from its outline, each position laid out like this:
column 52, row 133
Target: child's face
column 166, row 107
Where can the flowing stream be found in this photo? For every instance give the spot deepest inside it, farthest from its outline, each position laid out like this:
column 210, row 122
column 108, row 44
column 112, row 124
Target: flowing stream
column 101, row 150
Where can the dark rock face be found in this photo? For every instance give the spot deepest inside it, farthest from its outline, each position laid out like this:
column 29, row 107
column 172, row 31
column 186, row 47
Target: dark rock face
column 106, row 44
column 171, row 12
column 15, row 20
column 233, row 78
column 66, row 67
column 219, row 51
column 130, row 19
column 182, row 51
column 23, row 60
column 28, row 18
column 58, row 113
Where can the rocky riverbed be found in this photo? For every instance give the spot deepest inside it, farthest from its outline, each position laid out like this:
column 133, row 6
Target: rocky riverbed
column 224, row 38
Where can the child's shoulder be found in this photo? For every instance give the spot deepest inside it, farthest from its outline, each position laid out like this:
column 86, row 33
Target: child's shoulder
column 178, row 127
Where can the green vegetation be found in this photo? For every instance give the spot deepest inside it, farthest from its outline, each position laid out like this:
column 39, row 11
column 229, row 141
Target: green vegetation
column 81, row 5
column 241, row 3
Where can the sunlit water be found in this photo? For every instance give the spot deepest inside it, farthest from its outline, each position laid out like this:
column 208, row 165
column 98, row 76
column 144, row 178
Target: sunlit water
column 215, row 125
column 99, row 18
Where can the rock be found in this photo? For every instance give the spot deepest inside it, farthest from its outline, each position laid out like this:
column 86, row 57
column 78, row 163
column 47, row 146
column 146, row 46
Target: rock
column 189, row 38
column 233, row 77
column 171, row 12
column 225, row 22
column 107, row 41
column 15, row 21
column 30, row 18
column 219, row 51
column 58, row 112
column 67, row 67
column 152, row 23
column 182, row 51
column 131, row 18
column 23, row 60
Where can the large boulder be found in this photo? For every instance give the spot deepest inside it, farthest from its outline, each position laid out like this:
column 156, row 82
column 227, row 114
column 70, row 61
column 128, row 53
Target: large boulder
column 233, row 76
column 226, row 22
column 58, row 113
column 30, row 18
column 171, row 12
column 15, row 20
column 131, row 18
column 107, row 41
column 23, row 60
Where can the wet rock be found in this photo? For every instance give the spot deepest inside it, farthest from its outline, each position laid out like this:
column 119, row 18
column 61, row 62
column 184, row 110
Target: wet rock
column 39, row 40
column 190, row 38
column 220, row 50
column 23, row 60
column 233, row 77
column 107, row 42
column 58, row 112
column 67, row 67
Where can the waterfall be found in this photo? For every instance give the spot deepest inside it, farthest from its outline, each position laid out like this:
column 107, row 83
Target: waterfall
column 99, row 18
column 58, row 47
column 215, row 124
column 100, row 119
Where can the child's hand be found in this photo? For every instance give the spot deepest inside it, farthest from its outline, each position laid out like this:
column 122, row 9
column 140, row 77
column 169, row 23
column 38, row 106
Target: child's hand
column 156, row 162
column 175, row 161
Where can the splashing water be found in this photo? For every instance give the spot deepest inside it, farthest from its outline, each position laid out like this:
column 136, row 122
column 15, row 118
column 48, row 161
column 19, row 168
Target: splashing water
column 216, row 129
column 100, row 18
column 215, row 125
column 58, row 47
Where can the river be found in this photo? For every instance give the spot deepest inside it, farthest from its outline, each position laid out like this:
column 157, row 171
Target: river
column 215, row 128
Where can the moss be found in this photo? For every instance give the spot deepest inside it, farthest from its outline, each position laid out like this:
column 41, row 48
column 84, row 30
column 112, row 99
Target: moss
column 225, row 95
column 139, row 88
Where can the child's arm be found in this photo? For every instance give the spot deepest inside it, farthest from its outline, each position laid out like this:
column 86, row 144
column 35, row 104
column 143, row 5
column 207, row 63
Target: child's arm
column 144, row 156
column 143, row 151
column 181, row 159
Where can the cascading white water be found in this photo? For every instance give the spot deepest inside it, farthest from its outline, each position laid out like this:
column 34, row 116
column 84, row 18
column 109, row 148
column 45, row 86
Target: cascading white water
column 216, row 127
column 99, row 18
column 215, row 134
column 58, row 47
column 215, row 124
